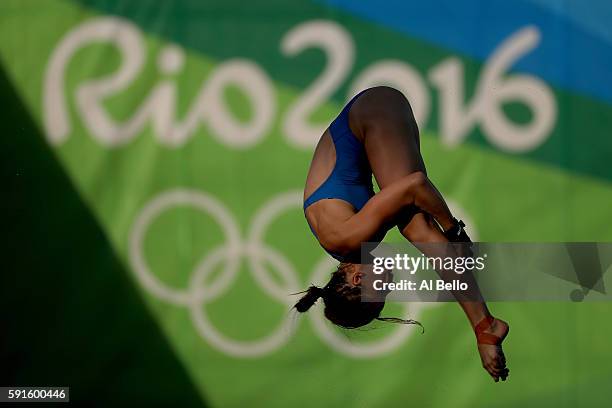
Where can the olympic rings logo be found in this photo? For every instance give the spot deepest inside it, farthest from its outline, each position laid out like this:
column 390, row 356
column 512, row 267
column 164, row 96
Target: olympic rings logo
column 257, row 254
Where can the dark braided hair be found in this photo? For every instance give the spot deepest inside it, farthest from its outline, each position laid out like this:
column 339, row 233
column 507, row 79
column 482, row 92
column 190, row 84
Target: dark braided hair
column 343, row 305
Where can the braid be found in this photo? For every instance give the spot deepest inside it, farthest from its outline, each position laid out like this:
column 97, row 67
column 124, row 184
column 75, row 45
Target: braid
column 313, row 294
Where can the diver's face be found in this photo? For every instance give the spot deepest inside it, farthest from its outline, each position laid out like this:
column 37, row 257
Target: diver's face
column 354, row 273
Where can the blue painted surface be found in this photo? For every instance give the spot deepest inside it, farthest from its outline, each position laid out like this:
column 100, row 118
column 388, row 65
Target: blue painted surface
column 575, row 50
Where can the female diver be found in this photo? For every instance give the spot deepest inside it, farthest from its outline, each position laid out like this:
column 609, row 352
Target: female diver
column 376, row 133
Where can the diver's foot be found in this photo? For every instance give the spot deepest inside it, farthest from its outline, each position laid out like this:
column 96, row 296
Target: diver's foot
column 490, row 334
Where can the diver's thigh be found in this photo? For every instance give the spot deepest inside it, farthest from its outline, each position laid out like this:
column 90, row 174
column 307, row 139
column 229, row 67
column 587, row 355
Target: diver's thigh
column 393, row 149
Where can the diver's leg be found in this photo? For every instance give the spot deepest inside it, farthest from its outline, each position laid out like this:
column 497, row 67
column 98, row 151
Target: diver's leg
column 384, row 119
column 424, row 195
column 422, row 231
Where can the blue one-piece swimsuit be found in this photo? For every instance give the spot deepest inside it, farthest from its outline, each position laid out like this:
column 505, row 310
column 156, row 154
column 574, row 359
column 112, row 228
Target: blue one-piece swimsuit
column 351, row 178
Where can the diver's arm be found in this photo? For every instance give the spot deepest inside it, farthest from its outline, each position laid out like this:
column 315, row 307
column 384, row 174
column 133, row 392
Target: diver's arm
column 381, row 210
